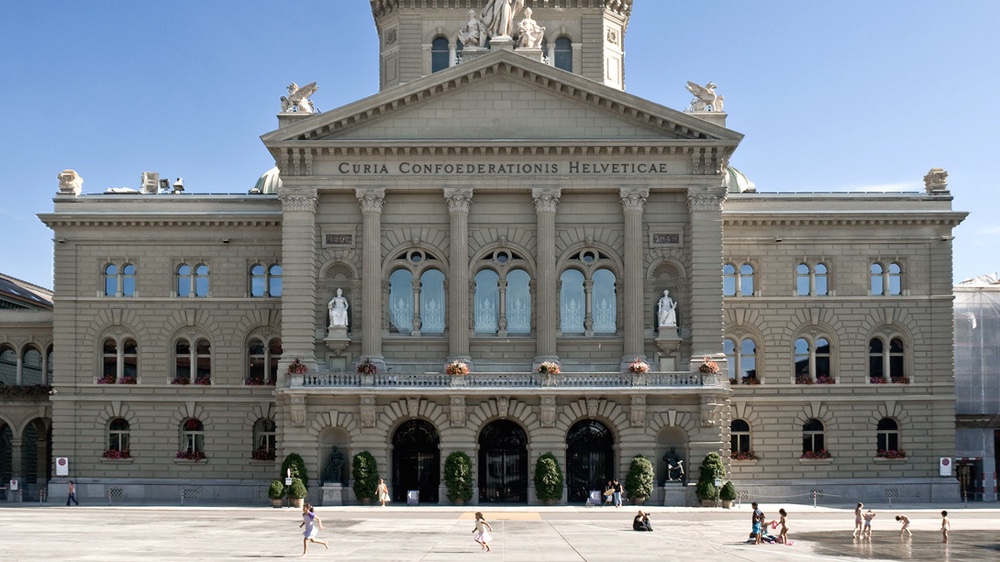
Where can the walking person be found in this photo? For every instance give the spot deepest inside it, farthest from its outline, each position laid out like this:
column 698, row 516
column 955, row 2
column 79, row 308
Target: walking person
column 482, row 532
column 72, row 494
column 866, row 533
column 858, row 520
column 945, row 526
column 383, row 492
column 609, row 492
column 906, row 525
column 618, row 491
column 313, row 525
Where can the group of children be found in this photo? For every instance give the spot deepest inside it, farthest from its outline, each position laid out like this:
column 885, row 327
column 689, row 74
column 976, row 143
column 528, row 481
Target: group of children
column 759, row 534
column 863, row 524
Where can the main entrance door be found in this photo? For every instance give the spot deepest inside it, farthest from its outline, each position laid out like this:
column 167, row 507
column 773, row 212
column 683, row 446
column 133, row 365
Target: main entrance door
column 590, row 458
column 503, row 463
column 416, row 461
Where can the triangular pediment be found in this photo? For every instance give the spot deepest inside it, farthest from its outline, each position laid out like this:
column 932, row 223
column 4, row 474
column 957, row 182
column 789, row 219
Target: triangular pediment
column 502, row 97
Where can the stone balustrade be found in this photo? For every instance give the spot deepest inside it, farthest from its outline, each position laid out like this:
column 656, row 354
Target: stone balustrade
column 506, row 380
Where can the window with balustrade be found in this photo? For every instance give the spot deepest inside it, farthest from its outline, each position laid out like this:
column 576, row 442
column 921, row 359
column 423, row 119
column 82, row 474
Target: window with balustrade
column 741, row 354
column 263, row 355
column 502, row 295
column 119, row 360
column 813, row 360
column 192, row 361
column 588, row 295
column 417, row 300
column 887, row 360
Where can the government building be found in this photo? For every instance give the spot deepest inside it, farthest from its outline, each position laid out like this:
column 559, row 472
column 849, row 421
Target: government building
column 611, row 285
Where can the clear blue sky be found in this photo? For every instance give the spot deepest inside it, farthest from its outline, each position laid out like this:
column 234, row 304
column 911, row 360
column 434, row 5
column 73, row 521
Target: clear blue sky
column 832, row 96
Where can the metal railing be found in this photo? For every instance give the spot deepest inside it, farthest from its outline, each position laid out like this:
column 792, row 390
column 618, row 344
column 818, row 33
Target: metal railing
column 507, row 380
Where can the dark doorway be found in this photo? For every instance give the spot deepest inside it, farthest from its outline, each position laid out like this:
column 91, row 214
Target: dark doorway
column 590, row 459
column 503, row 463
column 416, row 461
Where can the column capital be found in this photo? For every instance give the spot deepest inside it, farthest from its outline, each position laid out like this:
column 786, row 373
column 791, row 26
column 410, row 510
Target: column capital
column 706, row 198
column 370, row 198
column 298, row 199
column 459, row 199
column 633, row 198
column 546, row 199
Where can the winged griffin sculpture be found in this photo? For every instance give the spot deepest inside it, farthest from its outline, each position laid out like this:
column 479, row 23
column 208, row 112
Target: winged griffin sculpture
column 298, row 100
column 705, row 98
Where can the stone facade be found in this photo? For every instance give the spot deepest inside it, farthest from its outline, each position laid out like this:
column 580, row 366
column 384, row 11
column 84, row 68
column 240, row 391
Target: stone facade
column 504, row 213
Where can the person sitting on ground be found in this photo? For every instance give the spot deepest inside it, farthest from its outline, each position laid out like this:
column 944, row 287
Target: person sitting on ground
column 641, row 522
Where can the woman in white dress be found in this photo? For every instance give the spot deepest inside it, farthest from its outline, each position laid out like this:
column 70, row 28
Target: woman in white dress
column 313, row 526
column 383, row 492
column 482, row 532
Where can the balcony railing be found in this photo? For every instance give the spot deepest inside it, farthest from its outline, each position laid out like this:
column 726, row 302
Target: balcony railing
column 506, row 380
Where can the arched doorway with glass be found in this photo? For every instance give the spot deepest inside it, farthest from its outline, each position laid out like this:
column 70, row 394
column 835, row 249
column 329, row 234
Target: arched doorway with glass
column 36, row 457
column 416, row 461
column 590, row 458
column 503, row 463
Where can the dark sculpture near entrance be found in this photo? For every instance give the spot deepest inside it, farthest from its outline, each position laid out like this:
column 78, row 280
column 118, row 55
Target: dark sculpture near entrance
column 675, row 466
column 333, row 472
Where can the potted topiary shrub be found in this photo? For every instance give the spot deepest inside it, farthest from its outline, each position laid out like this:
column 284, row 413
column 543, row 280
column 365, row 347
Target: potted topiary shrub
column 297, row 466
column 548, row 479
column 276, row 492
column 458, row 477
column 727, row 494
column 297, row 492
column 364, row 469
column 711, row 469
column 639, row 480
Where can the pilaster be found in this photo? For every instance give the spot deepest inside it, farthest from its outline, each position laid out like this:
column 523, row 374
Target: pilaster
column 633, row 200
column 546, row 201
column 459, row 200
column 298, row 250
column 707, row 322
column 371, row 199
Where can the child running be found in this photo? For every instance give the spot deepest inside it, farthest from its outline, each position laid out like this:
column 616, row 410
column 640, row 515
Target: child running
column 945, row 526
column 906, row 525
column 313, row 526
column 482, row 532
column 867, row 532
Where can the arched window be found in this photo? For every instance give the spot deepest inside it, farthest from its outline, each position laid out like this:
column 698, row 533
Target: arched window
column 739, row 440
column 8, row 365
column 201, row 281
column 502, row 295
column 737, row 281
column 192, row 281
column 572, row 305
column 193, row 361
column 184, row 280
column 120, row 361
column 887, row 439
column 192, row 442
column 742, row 365
column 487, row 299
column 31, row 367
column 563, row 54
column 128, row 280
column 604, row 305
column 588, row 295
column 886, row 279
column 119, row 282
column 262, row 361
column 111, row 280
column 129, row 361
column 518, row 302
column 274, row 280
column 440, row 57
column 118, row 439
column 811, row 280
column 264, row 431
column 265, row 281
column 109, row 373
column 813, row 361
column 49, row 365
column 813, row 443
column 417, row 308
column 887, row 360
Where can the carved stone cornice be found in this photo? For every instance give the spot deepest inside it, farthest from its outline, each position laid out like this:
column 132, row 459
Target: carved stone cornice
column 847, row 218
column 381, row 8
column 211, row 220
column 706, row 198
column 370, row 199
column 298, row 199
column 633, row 198
column 546, row 199
column 459, row 199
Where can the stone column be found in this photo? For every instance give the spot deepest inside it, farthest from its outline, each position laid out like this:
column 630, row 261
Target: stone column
column 706, row 317
column 370, row 199
column 546, row 297
column 633, row 199
column 459, row 200
column 298, row 262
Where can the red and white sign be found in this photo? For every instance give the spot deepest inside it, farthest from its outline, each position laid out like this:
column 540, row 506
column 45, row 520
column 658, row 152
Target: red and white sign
column 62, row 466
column 944, row 468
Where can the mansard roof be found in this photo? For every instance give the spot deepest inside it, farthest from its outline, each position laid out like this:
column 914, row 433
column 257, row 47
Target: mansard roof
column 655, row 127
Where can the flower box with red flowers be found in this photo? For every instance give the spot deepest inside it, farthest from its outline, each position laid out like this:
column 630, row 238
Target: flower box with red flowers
column 128, row 380
column 820, row 454
column 890, row 454
column 457, row 368
column 181, row 381
column 263, row 455
column 749, row 380
column 297, row 367
column 708, row 367
column 803, row 379
column 367, row 367
column 191, row 455
column 638, row 367
column 115, row 454
column 107, row 379
column 877, row 380
column 825, row 380
column 743, row 456
column 203, row 380
column 548, row 368
column 900, row 380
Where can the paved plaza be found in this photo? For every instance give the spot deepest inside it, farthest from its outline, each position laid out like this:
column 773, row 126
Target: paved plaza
column 522, row 534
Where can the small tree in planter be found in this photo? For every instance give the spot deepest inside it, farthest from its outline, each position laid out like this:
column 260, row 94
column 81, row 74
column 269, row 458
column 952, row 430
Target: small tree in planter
column 364, row 469
column 711, row 469
column 727, row 494
column 458, row 477
column 548, row 479
column 297, row 491
column 276, row 492
column 639, row 480
column 298, row 467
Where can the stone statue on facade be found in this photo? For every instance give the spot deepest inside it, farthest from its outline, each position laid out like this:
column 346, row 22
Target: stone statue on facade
column 70, row 182
column 529, row 33
column 298, row 100
column 675, row 466
column 474, row 33
column 666, row 310
column 338, row 310
column 705, row 98
column 936, row 180
column 333, row 471
column 498, row 15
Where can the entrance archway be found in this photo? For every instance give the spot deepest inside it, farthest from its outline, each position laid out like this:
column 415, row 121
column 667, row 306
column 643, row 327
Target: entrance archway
column 590, row 458
column 416, row 461
column 503, row 463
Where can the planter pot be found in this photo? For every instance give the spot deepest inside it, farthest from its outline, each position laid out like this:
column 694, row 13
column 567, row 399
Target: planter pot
column 639, row 500
column 726, row 504
column 707, row 503
column 458, row 502
column 297, row 502
column 276, row 502
column 365, row 501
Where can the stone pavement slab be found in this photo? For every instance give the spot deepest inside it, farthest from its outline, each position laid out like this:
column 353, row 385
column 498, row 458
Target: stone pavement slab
column 521, row 534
